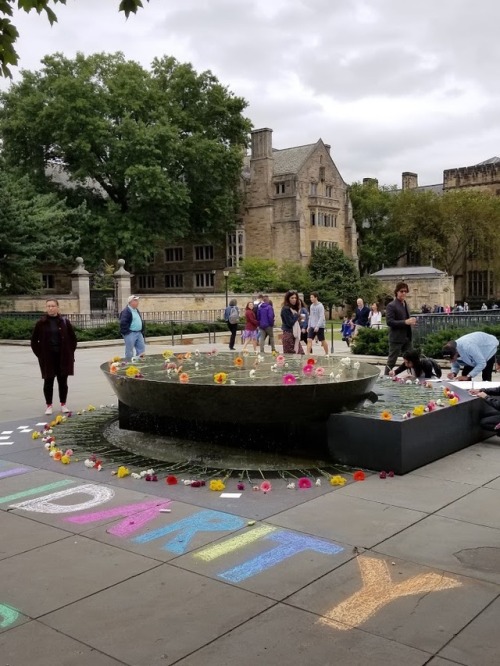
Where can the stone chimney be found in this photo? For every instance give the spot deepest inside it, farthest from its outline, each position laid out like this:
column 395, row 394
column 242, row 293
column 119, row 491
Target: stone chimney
column 262, row 143
column 370, row 181
column 409, row 180
column 328, row 147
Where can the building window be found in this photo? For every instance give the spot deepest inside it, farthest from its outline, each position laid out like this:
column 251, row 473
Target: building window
column 203, row 252
column 328, row 244
column 322, row 173
column 146, row 281
column 279, row 188
column 480, row 284
column 235, row 245
column 174, row 281
column 204, row 280
column 313, row 219
column 329, row 191
column 326, row 220
column 313, row 189
column 48, row 281
column 174, row 254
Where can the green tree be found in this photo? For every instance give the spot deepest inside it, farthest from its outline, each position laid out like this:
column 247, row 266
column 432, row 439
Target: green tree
column 380, row 242
column 334, row 276
column 451, row 228
column 34, row 228
column 157, row 154
column 255, row 275
column 9, row 33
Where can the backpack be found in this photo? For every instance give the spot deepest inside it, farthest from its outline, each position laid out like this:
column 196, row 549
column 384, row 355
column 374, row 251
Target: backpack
column 234, row 315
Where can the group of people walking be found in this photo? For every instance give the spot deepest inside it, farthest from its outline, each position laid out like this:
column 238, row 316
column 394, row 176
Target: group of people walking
column 298, row 324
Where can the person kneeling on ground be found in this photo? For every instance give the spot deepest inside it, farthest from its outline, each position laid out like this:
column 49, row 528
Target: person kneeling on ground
column 417, row 366
column 491, row 413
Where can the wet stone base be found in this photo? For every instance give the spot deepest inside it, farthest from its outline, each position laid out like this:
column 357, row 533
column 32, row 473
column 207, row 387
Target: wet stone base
column 404, row 445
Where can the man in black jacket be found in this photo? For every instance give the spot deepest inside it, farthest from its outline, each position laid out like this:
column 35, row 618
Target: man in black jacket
column 400, row 325
column 491, row 415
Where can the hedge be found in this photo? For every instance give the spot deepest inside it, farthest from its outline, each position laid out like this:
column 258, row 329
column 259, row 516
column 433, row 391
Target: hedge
column 21, row 329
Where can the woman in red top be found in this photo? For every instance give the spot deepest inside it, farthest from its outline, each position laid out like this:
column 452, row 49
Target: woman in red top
column 251, row 332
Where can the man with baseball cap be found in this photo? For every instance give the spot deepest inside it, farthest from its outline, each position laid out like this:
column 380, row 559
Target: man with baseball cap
column 472, row 354
column 132, row 329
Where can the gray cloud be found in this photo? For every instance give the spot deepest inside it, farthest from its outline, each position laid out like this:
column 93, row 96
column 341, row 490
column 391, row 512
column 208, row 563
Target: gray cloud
column 393, row 86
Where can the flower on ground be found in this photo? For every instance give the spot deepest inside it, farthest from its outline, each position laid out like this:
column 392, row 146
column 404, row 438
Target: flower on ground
column 171, row 480
column 265, row 486
column 122, row 472
column 220, row 377
column 319, row 372
column 57, row 455
column 239, row 362
column 65, row 459
column 311, row 361
column 386, row 415
column 280, row 359
column 116, row 359
column 359, row 476
column 252, row 374
column 304, row 482
column 307, row 369
column 356, row 365
column 35, row 434
column 184, row 378
column 240, row 486
column 131, row 371
column 382, row 475
column 453, row 401
column 289, row 379
column 418, row 410
column 216, row 484
column 338, row 480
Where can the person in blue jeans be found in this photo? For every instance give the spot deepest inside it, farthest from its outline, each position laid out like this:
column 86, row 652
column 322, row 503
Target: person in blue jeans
column 132, row 329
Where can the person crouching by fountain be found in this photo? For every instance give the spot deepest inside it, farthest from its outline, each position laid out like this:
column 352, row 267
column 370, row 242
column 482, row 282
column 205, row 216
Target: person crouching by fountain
column 251, row 332
column 232, row 317
column 490, row 419
column 417, row 366
column 132, row 329
column 290, row 315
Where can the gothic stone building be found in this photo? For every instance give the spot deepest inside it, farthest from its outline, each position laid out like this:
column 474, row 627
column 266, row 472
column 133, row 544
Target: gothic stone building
column 293, row 201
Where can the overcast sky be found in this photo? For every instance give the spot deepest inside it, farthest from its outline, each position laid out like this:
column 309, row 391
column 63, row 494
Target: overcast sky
column 393, row 86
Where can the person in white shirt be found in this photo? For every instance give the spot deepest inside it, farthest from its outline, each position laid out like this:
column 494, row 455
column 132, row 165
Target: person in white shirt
column 375, row 317
column 316, row 323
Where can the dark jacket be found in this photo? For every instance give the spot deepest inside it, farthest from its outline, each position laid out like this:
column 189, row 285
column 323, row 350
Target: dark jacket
column 492, row 400
column 265, row 315
column 428, row 367
column 288, row 318
column 126, row 320
column 361, row 316
column 395, row 315
column 40, row 344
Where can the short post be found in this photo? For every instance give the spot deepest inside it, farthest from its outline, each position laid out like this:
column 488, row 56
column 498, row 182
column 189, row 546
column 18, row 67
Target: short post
column 226, row 278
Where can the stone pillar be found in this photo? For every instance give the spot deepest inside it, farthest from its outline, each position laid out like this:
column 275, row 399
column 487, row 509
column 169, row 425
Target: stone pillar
column 80, row 285
column 122, row 285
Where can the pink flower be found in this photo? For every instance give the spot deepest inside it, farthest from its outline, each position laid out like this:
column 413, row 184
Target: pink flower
column 383, row 475
column 280, row 359
column 240, row 486
column 265, row 486
column 319, row 372
column 308, row 369
column 304, row 482
column 289, row 379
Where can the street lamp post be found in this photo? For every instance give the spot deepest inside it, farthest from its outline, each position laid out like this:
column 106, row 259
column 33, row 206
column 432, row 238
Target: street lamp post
column 226, row 277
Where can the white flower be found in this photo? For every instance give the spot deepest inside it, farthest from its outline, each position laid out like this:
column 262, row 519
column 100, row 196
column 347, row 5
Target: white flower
column 196, row 352
column 252, row 374
column 134, row 475
column 150, row 471
column 290, row 485
column 187, row 482
column 356, row 365
column 346, row 361
column 317, row 482
column 408, row 381
column 88, row 463
column 196, row 366
column 338, row 377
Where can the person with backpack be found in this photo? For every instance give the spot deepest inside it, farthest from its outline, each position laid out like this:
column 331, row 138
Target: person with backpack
column 265, row 316
column 232, row 317
column 54, row 342
column 417, row 366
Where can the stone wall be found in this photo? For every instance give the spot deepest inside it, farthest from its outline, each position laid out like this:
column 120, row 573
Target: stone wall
column 430, row 290
column 69, row 303
column 484, row 177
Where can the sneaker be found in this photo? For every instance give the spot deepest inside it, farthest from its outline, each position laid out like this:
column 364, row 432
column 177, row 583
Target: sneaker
column 48, row 411
column 64, row 410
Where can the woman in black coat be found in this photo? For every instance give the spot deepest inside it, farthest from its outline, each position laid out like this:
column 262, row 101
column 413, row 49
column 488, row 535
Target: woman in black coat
column 54, row 342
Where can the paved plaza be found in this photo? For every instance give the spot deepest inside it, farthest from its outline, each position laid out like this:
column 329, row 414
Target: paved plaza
column 97, row 570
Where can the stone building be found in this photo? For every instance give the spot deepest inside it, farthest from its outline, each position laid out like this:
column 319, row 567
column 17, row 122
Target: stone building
column 474, row 280
column 427, row 284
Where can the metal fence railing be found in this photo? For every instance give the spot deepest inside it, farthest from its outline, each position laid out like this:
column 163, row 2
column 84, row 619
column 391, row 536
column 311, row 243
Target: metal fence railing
column 473, row 320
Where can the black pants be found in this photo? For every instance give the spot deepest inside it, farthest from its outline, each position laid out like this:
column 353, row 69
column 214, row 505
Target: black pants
column 233, row 328
column 396, row 349
column 487, row 371
column 62, row 382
